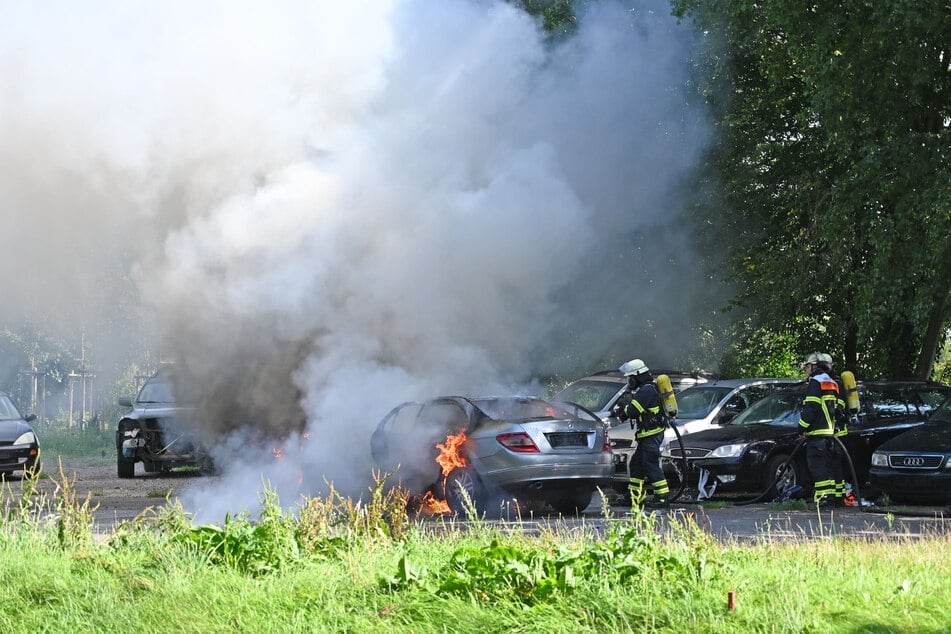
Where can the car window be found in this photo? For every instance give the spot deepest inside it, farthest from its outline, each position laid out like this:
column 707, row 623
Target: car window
column 443, row 416
column 595, row 395
column 156, row 391
column 403, row 420
column 927, row 400
column 8, row 410
column 943, row 413
column 698, row 401
column 781, row 408
column 888, row 404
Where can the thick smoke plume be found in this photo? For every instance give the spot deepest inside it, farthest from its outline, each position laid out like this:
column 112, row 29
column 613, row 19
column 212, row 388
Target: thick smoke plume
column 323, row 209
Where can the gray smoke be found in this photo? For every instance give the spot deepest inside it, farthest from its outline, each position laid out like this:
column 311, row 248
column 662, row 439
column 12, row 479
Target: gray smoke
column 323, row 209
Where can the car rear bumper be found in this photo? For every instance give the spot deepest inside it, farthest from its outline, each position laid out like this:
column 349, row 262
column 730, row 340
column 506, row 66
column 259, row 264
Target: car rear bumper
column 552, row 476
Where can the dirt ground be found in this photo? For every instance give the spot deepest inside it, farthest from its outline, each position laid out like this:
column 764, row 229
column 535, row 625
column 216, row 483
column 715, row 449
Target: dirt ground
column 114, row 499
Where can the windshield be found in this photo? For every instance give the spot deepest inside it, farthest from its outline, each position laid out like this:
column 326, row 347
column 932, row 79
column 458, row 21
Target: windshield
column 943, row 413
column 156, row 391
column 8, row 410
column 594, row 395
column 781, row 408
column 698, row 401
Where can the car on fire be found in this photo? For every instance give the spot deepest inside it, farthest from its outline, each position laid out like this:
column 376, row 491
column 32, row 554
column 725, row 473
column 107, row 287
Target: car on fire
column 19, row 445
column 915, row 467
column 751, row 453
column 527, row 448
column 158, row 431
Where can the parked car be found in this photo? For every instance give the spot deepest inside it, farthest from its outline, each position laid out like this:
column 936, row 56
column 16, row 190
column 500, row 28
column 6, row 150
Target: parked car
column 527, row 448
column 19, row 446
column 700, row 407
column 915, row 467
column 158, row 431
column 600, row 391
column 747, row 454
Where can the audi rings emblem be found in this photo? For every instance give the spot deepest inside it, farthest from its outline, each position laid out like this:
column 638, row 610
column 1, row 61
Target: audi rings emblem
column 913, row 462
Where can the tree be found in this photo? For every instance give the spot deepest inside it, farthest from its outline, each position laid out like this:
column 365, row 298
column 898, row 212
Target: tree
column 832, row 161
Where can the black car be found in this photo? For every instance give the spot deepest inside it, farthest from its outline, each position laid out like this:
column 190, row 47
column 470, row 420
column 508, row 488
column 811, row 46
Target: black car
column 159, row 431
column 19, row 446
column 915, row 466
column 747, row 454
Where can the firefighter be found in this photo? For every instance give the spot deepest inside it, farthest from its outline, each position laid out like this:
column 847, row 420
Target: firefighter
column 817, row 424
column 642, row 407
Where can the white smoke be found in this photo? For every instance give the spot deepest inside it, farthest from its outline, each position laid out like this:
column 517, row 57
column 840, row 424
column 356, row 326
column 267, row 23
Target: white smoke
column 333, row 207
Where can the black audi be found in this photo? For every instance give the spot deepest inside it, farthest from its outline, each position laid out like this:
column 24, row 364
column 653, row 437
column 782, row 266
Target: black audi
column 915, row 466
column 748, row 454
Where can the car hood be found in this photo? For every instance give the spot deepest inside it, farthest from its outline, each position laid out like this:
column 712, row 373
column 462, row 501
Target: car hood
column 10, row 430
column 735, row 434
column 928, row 438
column 161, row 409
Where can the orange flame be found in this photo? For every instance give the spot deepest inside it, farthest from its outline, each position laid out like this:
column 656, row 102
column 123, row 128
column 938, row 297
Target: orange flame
column 278, row 452
column 450, row 456
column 431, row 505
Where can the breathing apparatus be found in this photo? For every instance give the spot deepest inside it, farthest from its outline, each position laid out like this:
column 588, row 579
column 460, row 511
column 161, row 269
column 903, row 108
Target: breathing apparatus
column 669, row 411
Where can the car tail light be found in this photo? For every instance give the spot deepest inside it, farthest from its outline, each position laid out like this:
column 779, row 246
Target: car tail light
column 519, row 442
column 607, row 444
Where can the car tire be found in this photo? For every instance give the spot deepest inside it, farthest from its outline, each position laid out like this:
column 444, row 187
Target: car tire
column 572, row 504
column 461, row 484
column 774, row 481
column 125, row 469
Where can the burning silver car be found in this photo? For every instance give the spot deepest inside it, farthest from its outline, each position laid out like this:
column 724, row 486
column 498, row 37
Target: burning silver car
column 490, row 449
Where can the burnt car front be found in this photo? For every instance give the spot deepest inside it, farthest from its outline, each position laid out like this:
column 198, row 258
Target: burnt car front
column 915, row 466
column 158, row 431
column 19, row 445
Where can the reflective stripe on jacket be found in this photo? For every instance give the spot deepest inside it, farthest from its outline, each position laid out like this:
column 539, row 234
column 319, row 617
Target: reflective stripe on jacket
column 818, row 406
column 644, row 409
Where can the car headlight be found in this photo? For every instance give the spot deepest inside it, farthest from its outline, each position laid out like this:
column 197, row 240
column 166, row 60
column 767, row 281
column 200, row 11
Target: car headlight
column 879, row 459
column 26, row 438
column 728, row 451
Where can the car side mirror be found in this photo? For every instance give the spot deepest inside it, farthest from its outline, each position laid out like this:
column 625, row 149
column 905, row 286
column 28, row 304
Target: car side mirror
column 30, row 418
column 125, row 401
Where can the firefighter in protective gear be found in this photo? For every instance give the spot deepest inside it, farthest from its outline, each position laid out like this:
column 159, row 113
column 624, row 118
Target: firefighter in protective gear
column 642, row 407
column 817, row 424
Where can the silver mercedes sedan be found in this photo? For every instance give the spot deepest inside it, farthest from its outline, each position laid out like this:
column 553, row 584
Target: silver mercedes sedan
column 478, row 453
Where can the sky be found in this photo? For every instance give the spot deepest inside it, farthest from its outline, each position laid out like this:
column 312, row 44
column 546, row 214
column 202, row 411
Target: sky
column 320, row 210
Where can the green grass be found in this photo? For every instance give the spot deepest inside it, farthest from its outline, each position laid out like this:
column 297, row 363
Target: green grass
column 334, row 565
column 76, row 442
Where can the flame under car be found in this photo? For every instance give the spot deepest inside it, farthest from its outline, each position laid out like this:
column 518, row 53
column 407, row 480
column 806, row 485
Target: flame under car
column 510, row 447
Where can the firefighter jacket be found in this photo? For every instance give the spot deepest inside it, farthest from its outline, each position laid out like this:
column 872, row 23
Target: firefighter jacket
column 644, row 411
column 818, row 415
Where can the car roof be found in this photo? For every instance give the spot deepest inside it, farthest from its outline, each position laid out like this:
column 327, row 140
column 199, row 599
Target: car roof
column 735, row 383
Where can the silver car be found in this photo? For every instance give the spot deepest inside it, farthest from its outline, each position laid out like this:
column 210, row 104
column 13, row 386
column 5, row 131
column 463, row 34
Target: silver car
column 522, row 447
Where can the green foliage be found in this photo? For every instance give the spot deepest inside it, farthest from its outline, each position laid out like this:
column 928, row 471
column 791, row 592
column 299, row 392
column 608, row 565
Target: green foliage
column 631, row 554
column 557, row 16
column 78, row 442
column 831, row 170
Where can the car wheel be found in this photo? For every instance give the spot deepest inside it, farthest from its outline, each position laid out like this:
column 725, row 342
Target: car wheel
column 779, row 476
column 464, row 492
column 125, row 468
column 572, row 504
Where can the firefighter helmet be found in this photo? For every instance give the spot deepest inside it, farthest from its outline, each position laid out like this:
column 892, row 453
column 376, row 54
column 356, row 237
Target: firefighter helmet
column 818, row 358
column 634, row 367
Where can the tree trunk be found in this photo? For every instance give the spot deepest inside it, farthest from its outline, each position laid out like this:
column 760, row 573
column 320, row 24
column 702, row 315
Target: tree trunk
column 933, row 335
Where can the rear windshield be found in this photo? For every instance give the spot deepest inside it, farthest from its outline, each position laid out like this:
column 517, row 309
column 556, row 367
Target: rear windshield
column 520, row 409
column 594, row 395
column 699, row 401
